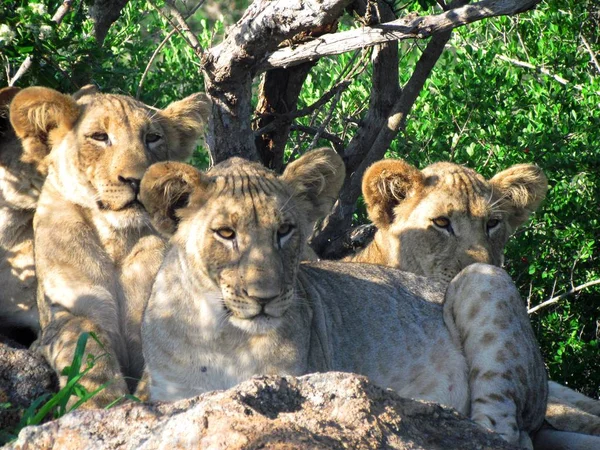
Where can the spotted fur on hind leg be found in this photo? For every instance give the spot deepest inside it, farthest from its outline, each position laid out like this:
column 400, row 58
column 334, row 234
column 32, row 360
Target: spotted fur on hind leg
column 507, row 379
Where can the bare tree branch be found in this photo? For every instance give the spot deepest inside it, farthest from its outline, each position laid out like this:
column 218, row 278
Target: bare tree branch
column 277, row 103
column 278, row 96
column 409, row 27
column 152, row 58
column 230, row 67
column 325, row 98
column 538, row 69
column 591, row 53
column 334, row 225
column 183, row 26
column 556, row 299
column 182, row 29
column 337, row 143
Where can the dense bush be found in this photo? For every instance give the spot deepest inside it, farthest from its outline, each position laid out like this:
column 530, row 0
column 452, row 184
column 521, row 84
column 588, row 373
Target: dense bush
column 506, row 91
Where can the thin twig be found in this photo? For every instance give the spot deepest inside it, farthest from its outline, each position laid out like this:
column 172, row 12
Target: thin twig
column 304, row 111
column 592, row 55
column 152, row 58
column 172, row 23
column 337, row 143
column 556, row 299
column 58, row 17
column 191, row 37
column 537, row 69
column 323, row 125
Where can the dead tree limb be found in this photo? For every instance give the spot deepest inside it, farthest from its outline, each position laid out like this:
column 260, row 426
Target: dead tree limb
column 277, row 98
column 557, row 298
column 230, row 67
column 409, row 27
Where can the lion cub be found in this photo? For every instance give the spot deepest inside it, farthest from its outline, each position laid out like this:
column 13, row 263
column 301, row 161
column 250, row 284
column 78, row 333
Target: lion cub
column 22, row 174
column 231, row 300
column 436, row 221
column 96, row 254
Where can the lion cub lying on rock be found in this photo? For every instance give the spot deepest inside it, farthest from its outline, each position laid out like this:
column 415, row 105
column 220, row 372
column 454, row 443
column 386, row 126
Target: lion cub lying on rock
column 96, row 254
column 231, row 300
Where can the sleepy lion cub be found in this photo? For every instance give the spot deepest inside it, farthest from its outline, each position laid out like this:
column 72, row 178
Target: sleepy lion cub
column 231, row 300
column 96, row 254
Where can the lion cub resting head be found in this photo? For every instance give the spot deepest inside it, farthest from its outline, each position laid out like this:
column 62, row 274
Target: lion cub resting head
column 439, row 220
column 96, row 254
column 21, row 180
column 231, row 300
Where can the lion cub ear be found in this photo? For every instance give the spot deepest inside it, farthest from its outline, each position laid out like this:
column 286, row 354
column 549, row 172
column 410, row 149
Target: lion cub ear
column 88, row 89
column 387, row 183
column 522, row 189
column 316, row 177
column 166, row 189
column 37, row 111
column 188, row 118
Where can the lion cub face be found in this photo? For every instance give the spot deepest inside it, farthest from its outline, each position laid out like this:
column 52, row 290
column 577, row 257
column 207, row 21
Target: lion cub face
column 439, row 220
column 241, row 228
column 101, row 144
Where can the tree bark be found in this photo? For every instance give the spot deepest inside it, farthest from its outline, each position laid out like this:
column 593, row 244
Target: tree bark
column 230, row 67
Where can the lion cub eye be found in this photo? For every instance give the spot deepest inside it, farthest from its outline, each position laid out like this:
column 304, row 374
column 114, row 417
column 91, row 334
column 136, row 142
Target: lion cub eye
column 284, row 230
column 226, row 233
column 100, row 137
column 492, row 223
column 153, row 137
column 442, row 222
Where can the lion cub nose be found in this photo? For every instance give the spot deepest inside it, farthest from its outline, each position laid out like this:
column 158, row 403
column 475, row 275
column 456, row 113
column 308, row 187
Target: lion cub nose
column 133, row 182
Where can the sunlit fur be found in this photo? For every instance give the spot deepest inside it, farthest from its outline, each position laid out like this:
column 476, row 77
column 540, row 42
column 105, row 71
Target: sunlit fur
column 23, row 170
column 96, row 253
column 232, row 301
column 404, row 202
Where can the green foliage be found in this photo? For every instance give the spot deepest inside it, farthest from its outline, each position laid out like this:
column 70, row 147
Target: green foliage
column 54, row 406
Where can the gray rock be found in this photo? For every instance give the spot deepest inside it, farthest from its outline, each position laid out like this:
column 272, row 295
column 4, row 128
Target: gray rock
column 318, row 411
column 24, row 376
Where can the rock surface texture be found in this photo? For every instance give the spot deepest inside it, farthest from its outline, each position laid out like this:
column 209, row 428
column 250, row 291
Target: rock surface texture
column 319, row 411
column 24, row 376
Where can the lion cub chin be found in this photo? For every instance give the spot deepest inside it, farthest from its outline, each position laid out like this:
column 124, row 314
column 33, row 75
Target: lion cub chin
column 96, row 254
column 231, row 300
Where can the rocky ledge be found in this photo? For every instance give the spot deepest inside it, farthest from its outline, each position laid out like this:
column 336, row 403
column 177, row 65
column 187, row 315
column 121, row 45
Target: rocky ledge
column 319, row 411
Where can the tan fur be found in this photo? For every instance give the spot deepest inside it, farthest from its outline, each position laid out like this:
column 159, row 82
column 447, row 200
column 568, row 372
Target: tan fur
column 403, row 201
column 21, row 179
column 95, row 252
column 232, row 300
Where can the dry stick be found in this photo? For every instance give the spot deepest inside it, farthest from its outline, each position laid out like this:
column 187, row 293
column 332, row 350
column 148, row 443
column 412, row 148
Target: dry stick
column 304, row 111
column 561, row 296
column 337, row 143
column 409, row 27
column 58, row 17
column 537, row 69
column 323, row 125
column 191, row 37
column 589, row 49
column 184, row 29
column 152, row 58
